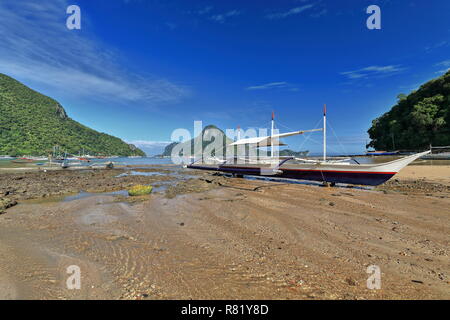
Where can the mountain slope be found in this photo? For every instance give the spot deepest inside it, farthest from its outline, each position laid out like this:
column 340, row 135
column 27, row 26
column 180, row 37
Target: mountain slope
column 417, row 120
column 207, row 132
column 31, row 124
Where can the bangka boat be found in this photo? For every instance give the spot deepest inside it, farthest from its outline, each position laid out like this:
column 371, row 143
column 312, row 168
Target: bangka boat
column 22, row 160
column 347, row 171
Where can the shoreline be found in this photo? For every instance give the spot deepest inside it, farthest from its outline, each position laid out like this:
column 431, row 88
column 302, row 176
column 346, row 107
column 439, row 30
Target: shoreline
column 205, row 236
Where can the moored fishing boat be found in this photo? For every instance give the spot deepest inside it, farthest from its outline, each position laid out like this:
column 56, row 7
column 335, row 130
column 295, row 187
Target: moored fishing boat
column 348, row 171
column 22, row 160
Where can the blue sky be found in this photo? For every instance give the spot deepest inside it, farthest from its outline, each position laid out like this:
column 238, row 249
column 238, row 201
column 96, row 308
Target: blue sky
column 138, row 69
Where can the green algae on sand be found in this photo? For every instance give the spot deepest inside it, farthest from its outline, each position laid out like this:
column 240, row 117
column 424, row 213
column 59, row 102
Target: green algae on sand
column 140, row 190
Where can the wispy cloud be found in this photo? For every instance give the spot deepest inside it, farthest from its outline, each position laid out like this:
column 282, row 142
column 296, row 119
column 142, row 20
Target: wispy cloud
column 205, row 10
column 438, row 45
column 445, row 63
column 271, row 85
column 221, row 18
column 150, row 147
column 319, row 13
column 442, row 71
column 373, row 72
column 36, row 46
column 149, row 143
column 291, row 12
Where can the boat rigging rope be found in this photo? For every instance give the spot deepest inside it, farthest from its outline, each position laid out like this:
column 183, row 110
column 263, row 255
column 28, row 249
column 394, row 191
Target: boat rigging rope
column 309, row 138
column 337, row 139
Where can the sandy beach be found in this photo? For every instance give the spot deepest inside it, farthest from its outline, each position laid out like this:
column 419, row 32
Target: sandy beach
column 202, row 236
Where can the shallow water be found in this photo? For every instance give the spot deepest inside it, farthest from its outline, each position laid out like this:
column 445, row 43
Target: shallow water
column 84, row 194
column 307, row 183
column 176, row 173
column 138, row 173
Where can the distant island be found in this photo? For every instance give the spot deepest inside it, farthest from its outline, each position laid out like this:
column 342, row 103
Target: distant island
column 417, row 121
column 32, row 124
column 195, row 143
column 198, row 140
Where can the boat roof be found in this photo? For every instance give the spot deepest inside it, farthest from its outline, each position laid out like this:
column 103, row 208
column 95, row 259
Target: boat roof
column 268, row 141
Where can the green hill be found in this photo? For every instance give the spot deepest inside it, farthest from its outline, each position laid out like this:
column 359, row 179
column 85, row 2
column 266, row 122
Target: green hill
column 291, row 153
column 31, row 124
column 417, row 120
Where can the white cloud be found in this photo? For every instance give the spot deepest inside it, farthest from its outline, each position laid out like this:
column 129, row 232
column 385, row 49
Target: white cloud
column 36, row 46
column 293, row 11
column 442, row 71
column 271, row 85
column 445, row 63
column 205, row 10
column 149, row 143
column 320, row 13
column 441, row 44
column 373, row 72
column 221, row 18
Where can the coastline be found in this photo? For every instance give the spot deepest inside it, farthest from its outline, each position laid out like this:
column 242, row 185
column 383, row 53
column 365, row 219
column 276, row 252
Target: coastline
column 203, row 236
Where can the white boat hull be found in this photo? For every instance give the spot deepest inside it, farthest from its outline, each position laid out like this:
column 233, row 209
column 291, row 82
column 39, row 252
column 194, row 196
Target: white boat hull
column 360, row 174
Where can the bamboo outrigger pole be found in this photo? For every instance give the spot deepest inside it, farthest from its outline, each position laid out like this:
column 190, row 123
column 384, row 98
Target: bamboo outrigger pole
column 324, row 132
column 271, row 134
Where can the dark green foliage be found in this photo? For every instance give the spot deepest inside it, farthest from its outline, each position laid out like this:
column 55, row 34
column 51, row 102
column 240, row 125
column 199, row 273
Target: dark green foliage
column 168, row 149
column 31, row 124
column 417, row 120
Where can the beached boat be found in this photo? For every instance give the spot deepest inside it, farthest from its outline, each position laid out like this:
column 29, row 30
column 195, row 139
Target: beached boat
column 348, row 171
column 22, row 160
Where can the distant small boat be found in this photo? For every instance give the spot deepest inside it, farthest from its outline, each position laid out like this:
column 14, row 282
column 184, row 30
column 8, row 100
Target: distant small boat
column 38, row 158
column 382, row 153
column 22, row 160
column 437, row 156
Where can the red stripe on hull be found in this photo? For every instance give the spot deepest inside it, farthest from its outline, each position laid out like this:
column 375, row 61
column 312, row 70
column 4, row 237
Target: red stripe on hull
column 309, row 170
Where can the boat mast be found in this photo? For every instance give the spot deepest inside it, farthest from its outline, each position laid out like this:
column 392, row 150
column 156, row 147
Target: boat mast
column 271, row 134
column 324, row 132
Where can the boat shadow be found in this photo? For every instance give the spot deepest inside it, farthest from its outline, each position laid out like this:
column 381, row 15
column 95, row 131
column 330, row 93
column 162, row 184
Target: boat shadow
column 285, row 181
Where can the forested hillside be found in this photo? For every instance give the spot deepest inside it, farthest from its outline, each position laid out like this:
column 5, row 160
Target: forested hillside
column 417, row 120
column 31, row 124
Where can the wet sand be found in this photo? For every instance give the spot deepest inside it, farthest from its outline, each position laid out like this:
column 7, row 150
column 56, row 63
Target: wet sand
column 211, row 237
column 438, row 174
